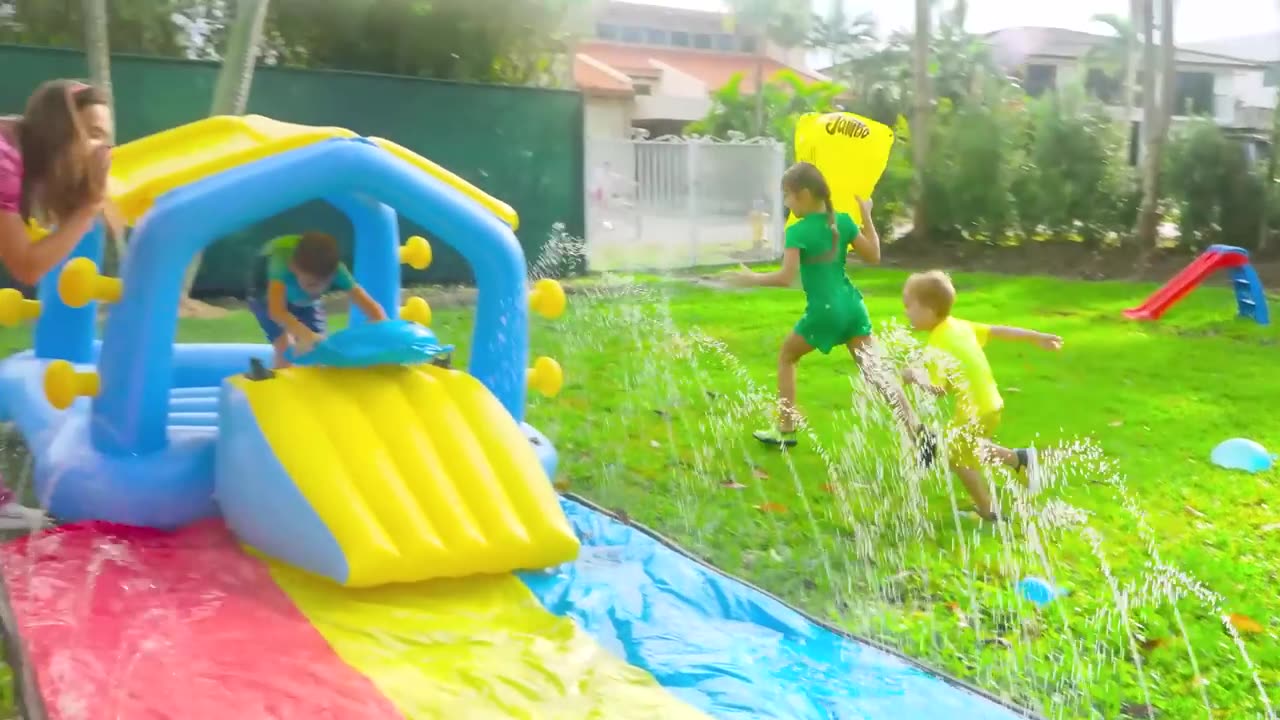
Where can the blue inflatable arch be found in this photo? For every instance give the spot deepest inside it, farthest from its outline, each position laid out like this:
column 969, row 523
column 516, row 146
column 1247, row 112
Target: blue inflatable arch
column 370, row 186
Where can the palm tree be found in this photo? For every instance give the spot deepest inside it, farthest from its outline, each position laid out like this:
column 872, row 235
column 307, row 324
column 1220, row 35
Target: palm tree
column 785, row 22
column 840, row 35
column 1157, row 113
column 920, row 118
column 231, row 94
column 1116, row 59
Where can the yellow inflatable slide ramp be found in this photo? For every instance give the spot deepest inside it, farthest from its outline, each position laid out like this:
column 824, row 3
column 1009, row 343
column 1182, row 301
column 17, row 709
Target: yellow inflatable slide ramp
column 145, row 169
column 383, row 475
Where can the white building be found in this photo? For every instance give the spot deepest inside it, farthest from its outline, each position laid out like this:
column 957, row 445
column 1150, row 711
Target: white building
column 655, row 68
column 1263, row 49
column 1229, row 88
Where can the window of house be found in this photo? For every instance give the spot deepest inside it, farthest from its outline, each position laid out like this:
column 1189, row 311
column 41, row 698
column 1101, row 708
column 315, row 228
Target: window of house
column 1103, row 86
column 680, row 38
column 1040, row 79
column 702, row 41
column 606, row 31
column 1271, row 76
column 654, row 36
column 632, row 34
column 748, row 44
column 1195, row 94
column 726, row 43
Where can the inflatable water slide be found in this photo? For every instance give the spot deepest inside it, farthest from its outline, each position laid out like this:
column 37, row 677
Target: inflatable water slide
column 379, row 541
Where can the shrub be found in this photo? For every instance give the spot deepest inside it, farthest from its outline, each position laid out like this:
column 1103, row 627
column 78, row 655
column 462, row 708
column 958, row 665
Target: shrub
column 1218, row 193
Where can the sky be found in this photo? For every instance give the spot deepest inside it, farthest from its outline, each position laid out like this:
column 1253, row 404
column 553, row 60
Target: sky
column 1197, row 20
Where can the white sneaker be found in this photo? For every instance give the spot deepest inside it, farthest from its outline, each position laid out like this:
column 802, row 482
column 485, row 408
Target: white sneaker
column 15, row 516
column 1032, row 468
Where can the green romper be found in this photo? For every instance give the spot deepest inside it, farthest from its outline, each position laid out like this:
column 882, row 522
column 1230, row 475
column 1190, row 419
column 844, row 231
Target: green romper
column 834, row 313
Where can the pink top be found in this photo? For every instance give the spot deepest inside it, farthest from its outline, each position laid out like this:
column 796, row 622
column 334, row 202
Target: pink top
column 10, row 176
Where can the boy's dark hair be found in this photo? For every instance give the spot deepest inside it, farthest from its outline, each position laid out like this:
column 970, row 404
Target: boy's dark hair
column 317, row 254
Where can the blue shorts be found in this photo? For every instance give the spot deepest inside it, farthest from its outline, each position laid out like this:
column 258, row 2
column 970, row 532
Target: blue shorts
column 310, row 315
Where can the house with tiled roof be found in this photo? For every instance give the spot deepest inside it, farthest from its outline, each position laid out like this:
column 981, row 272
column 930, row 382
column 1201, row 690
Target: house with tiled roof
column 1264, row 49
column 1229, row 88
column 654, row 68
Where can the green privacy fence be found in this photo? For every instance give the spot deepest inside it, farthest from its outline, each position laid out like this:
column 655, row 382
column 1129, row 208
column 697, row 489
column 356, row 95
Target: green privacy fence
column 521, row 145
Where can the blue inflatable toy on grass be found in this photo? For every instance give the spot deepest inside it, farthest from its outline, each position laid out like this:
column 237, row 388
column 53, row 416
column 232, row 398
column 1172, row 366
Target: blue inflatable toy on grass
column 392, row 342
column 1039, row 591
column 1242, row 454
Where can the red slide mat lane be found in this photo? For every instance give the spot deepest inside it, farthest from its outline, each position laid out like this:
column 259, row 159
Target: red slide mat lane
column 173, row 626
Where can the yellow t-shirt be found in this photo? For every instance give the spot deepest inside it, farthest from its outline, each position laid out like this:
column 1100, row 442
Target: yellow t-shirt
column 956, row 362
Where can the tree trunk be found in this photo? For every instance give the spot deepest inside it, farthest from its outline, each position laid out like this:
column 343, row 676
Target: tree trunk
column 231, row 94
column 1129, row 83
column 1149, row 215
column 759, row 75
column 1168, row 70
column 1269, row 178
column 97, row 46
column 920, row 125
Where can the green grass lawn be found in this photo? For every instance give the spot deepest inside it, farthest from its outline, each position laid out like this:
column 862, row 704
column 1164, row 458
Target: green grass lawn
column 1163, row 553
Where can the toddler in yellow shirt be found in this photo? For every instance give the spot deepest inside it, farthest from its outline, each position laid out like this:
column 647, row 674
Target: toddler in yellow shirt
column 955, row 363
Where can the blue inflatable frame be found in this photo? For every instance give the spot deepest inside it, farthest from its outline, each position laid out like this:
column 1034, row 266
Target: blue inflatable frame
column 142, row 451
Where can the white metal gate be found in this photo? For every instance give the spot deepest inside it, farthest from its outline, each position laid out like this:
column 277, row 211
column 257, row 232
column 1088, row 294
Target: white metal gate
column 675, row 202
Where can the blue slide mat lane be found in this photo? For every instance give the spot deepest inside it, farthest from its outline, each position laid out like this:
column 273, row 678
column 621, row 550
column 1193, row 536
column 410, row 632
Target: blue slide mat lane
column 730, row 649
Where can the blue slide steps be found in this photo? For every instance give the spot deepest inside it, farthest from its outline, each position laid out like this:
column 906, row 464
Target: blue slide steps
column 1250, row 297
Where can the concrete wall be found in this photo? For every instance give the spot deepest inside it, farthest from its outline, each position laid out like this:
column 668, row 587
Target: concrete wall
column 607, row 117
column 672, row 107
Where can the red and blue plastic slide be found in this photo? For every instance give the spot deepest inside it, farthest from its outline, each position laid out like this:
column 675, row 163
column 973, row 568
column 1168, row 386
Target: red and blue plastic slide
column 1250, row 298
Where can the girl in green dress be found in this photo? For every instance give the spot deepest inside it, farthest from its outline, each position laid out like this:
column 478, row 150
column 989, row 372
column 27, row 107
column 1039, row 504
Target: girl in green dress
column 817, row 249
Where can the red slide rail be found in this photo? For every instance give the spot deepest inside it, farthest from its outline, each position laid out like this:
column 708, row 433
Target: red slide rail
column 1184, row 282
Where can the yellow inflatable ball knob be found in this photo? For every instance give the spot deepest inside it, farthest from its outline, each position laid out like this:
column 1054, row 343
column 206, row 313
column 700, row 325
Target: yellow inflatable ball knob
column 416, row 310
column 80, row 284
column 546, row 377
column 16, row 309
column 63, row 384
column 548, row 299
column 416, row 253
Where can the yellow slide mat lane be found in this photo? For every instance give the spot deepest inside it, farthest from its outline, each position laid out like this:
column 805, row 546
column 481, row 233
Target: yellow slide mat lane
column 477, row 649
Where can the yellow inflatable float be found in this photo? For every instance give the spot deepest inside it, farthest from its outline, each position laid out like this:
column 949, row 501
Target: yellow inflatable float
column 851, row 151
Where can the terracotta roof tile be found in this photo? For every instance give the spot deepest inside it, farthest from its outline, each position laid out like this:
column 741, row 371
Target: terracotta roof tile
column 593, row 76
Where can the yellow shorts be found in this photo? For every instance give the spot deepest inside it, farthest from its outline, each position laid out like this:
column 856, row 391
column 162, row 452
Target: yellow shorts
column 965, row 439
